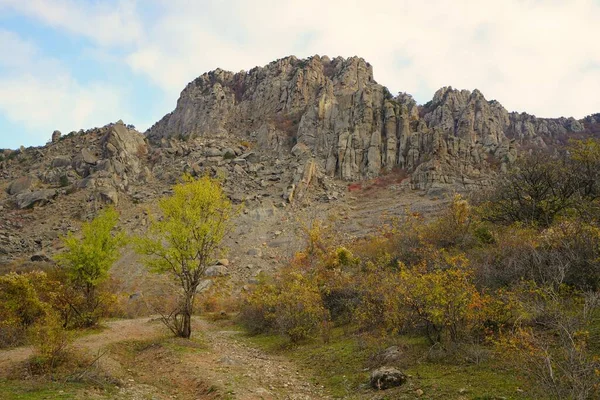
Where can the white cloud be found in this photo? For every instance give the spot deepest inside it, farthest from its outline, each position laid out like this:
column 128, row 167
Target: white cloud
column 39, row 93
column 538, row 56
column 58, row 103
column 528, row 54
column 106, row 23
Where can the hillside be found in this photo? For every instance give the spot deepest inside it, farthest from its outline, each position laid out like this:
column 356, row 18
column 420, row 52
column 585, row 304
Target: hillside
column 293, row 141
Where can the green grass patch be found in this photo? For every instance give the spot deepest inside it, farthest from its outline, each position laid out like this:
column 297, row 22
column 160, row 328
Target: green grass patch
column 343, row 366
column 483, row 381
column 33, row 390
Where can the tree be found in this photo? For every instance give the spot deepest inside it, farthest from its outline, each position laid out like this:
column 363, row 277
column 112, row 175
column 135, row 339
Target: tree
column 585, row 160
column 186, row 240
column 536, row 191
column 88, row 260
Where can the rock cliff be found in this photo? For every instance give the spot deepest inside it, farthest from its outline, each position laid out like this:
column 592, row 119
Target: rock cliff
column 353, row 127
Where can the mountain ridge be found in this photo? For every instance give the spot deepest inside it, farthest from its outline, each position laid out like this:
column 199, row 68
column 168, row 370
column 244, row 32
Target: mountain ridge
column 353, row 127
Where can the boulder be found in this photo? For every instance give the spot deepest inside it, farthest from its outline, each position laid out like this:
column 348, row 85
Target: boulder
column 229, row 153
column 20, row 185
column 213, row 152
column 387, row 377
column 107, row 195
column 216, row 270
column 39, row 197
column 88, row 157
column 124, row 147
column 61, row 162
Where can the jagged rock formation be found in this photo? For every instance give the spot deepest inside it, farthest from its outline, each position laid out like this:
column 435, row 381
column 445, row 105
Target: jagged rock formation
column 353, row 127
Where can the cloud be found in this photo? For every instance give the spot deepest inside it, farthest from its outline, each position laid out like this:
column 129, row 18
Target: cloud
column 537, row 56
column 105, row 23
column 38, row 93
column 530, row 55
column 59, row 103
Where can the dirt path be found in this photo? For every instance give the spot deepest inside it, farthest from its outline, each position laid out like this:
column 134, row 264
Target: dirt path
column 257, row 375
column 218, row 364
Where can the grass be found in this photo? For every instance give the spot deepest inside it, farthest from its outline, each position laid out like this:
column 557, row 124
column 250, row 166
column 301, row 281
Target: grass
column 133, row 348
column 344, row 365
column 33, row 390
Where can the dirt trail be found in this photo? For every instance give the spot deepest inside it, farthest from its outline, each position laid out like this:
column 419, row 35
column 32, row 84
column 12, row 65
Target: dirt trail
column 217, row 365
column 259, row 375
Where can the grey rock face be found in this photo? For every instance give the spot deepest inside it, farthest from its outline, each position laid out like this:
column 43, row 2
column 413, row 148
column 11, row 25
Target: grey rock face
column 123, row 150
column 335, row 111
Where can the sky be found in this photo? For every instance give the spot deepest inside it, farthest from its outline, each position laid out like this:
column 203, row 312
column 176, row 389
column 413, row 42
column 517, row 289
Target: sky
column 78, row 64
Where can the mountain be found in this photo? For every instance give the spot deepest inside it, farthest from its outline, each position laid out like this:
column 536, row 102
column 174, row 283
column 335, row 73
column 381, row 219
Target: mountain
column 294, row 141
column 353, row 126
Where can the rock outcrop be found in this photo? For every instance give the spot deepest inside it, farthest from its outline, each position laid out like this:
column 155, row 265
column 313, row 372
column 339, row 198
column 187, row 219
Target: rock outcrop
column 353, row 127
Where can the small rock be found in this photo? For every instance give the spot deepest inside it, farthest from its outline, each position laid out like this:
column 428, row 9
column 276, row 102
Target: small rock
column 204, row 285
column 300, row 149
column 256, row 252
column 39, row 257
column 419, row 392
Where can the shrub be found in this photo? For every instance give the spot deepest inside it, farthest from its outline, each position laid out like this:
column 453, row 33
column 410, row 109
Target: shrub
column 292, row 307
column 87, row 262
column 446, row 302
column 259, row 308
column 64, row 181
column 299, row 311
column 556, row 356
column 50, row 341
column 20, row 306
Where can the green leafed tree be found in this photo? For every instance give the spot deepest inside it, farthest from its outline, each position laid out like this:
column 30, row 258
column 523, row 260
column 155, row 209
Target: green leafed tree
column 186, row 240
column 87, row 261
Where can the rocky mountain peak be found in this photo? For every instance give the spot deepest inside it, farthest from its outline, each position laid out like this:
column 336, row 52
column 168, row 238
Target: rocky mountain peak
column 351, row 125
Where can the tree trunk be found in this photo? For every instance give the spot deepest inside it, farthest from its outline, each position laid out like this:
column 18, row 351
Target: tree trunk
column 186, row 326
column 188, row 309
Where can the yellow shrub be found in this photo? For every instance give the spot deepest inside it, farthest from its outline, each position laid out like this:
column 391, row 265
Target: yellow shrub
column 50, row 341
